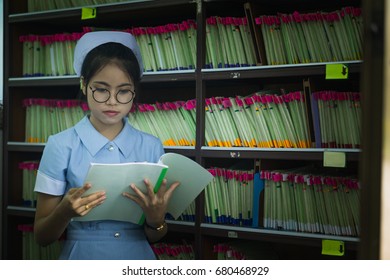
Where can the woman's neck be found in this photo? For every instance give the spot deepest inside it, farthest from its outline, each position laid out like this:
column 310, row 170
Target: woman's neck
column 110, row 131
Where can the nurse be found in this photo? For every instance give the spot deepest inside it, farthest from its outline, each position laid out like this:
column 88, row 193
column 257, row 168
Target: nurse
column 110, row 67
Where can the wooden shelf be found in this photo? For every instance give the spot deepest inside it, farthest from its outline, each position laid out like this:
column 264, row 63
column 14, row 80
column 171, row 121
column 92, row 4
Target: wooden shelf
column 276, row 153
column 279, row 236
column 198, row 83
column 71, row 80
column 38, row 148
column 271, row 71
column 257, row 72
column 102, row 9
column 20, row 211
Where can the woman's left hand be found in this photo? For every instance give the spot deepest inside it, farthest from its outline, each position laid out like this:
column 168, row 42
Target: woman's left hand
column 153, row 204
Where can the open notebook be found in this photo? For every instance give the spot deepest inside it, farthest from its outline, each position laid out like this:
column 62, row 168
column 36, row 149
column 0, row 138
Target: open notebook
column 116, row 179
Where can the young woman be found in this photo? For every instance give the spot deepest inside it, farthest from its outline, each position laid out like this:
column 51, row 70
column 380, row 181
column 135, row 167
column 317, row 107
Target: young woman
column 110, row 66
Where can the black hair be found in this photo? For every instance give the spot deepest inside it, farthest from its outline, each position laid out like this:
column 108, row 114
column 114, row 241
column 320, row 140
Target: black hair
column 107, row 53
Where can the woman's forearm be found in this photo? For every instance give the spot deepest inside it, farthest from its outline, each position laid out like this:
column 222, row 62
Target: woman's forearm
column 49, row 229
column 50, row 219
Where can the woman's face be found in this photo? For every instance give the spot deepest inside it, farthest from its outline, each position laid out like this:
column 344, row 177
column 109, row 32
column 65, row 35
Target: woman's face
column 113, row 83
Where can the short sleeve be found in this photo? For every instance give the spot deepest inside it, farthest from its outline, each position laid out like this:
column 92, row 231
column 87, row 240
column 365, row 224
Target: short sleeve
column 51, row 176
column 159, row 150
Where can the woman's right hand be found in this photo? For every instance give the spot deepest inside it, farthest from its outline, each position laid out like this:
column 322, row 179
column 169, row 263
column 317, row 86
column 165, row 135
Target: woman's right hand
column 74, row 203
column 53, row 213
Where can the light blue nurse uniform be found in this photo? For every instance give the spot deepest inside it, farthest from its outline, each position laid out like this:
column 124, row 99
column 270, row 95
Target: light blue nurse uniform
column 64, row 165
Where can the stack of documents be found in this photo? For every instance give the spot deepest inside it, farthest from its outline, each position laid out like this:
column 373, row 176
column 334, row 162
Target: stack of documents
column 32, row 251
column 167, row 47
column 29, row 174
column 45, row 117
column 228, row 198
column 188, row 214
column 312, row 37
column 244, row 250
column 344, row 29
column 288, row 39
column 227, row 252
column 220, row 124
column 169, row 251
column 263, row 119
column 172, row 122
column 337, row 118
column 229, row 43
column 311, row 201
column 48, row 55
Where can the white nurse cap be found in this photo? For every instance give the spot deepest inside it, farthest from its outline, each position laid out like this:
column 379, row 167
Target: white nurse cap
column 91, row 40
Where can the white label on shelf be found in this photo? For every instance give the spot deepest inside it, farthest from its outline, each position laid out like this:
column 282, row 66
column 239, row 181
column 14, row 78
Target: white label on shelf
column 334, row 159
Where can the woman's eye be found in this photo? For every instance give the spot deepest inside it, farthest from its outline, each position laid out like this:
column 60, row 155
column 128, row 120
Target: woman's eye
column 124, row 91
column 102, row 90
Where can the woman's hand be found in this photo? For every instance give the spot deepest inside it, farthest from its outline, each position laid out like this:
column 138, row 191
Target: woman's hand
column 75, row 204
column 153, row 204
column 53, row 213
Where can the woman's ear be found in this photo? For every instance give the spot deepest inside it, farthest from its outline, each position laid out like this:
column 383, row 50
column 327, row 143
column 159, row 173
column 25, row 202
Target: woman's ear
column 82, row 85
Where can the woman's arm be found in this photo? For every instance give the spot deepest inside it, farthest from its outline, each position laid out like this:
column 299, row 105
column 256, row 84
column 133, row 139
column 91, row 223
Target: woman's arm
column 54, row 213
column 49, row 222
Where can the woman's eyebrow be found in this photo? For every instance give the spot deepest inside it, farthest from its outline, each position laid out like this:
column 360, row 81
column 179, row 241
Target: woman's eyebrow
column 108, row 85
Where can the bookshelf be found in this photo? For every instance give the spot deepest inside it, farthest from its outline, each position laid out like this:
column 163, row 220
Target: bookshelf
column 197, row 84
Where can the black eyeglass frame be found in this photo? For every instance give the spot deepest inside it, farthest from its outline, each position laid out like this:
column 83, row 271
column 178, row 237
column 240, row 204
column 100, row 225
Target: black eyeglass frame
column 109, row 96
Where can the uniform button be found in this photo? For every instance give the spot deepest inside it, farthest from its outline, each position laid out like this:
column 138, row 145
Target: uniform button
column 111, row 148
column 117, row 235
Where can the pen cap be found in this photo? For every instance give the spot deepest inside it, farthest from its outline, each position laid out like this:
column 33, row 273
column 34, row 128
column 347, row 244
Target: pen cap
column 91, row 40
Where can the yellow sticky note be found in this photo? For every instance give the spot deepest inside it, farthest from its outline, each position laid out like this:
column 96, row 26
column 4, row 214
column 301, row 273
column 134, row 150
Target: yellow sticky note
column 332, row 247
column 88, row 13
column 336, row 71
column 334, row 159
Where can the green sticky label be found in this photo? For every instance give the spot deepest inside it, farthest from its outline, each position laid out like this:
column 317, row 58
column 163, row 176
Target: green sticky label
column 336, row 71
column 88, row 13
column 334, row 159
column 333, row 247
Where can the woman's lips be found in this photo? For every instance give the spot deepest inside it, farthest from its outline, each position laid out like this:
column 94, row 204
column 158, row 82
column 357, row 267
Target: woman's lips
column 111, row 113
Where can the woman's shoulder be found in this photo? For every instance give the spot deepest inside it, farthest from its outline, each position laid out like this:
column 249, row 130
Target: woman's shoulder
column 142, row 134
column 82, row 124
column 64, row 136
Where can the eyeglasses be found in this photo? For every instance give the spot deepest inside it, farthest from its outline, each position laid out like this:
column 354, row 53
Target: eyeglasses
column 101, row 95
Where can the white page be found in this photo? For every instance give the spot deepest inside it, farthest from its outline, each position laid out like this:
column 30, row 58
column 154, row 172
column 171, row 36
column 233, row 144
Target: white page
column 116, row 179
column 193, row 179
